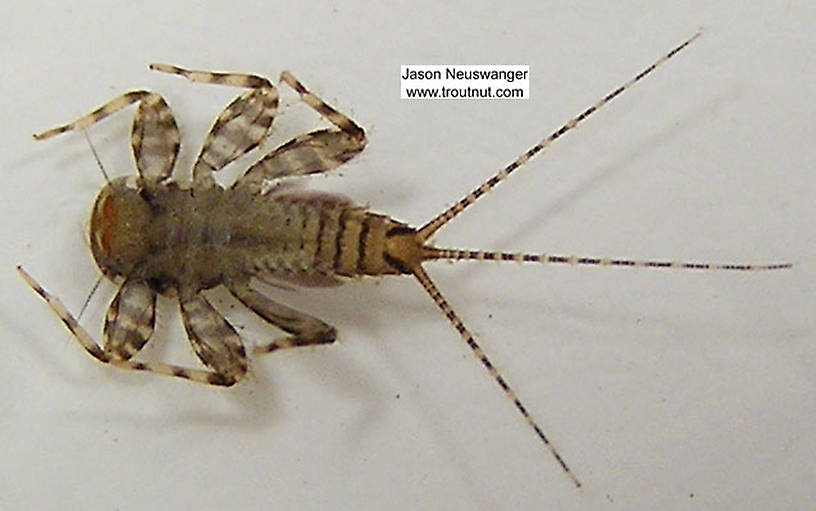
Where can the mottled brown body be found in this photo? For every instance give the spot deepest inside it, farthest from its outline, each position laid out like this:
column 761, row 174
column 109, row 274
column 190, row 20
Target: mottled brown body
column 194, row 239
column 156, row 236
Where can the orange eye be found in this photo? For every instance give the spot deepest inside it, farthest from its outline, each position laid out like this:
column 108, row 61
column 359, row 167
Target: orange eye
column 106, row 219
column 108, row 208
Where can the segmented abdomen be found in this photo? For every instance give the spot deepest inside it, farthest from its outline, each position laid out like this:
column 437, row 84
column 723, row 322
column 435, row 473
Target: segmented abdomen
column 313, row 234
column 200, row 239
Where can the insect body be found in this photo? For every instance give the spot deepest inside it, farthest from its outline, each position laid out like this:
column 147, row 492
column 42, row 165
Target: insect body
column 152, row 235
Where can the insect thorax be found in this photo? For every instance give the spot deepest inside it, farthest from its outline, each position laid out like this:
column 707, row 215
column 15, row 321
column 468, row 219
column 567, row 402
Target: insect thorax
column 192, row 239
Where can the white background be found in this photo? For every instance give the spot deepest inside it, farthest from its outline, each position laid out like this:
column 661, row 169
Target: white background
column 662, row 389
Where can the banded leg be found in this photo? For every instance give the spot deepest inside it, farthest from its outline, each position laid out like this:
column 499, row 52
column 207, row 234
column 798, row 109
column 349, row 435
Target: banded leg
column 313, row 153
column 130, row 320
column 154, row 135
column 306, row 330
column 214, row 340
column 466, row 336
column 240, row 127
column 100, row 354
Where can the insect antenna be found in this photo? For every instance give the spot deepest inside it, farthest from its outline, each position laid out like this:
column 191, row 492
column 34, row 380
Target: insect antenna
column 88, row 298
column 104, row 174
column 427, row 230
